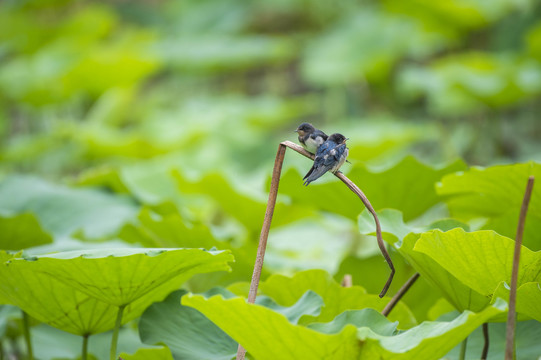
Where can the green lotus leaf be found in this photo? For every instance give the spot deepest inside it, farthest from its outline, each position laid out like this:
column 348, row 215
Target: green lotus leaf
column 80, row 292
column 528, row 298
column 457, row 253
column 268, row 335
column 481, row 260
column 496, row 193
column 171, row 230
column 122, row 276
column 329, row 61
column 246, row 209
column 429, row 340
column 378, row 323
column 466, row 281
column 185, row 331
column 166, row 231
column 144, row 354
column 394, row 229
column 4, row 257
column 21, row 232
column 55, row 344
column 408, row 186
column 454, row 291
column 62, row 211
column 371, row 273
column 420, row 297
column 527, row 342
column 59, row 305
column 308, row 304
column 190, row 335
column 286, row 291
column 222, row 52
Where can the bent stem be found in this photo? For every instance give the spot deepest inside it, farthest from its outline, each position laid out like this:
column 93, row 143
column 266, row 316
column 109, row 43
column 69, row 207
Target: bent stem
column 114, row 341
column 273, row 193
column 396, row 298
column 351, row 185
column 484, row 354
column 241, row 352
column 512, row 314
column 84, row 352
column 27, row 339
column 355, row 189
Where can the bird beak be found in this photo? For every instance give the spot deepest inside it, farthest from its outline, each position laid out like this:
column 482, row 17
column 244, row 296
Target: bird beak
column 296, row 130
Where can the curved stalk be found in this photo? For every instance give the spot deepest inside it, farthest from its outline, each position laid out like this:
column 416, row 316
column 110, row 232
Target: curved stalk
column 396, row 298
column 512, row 313
column 484, row 354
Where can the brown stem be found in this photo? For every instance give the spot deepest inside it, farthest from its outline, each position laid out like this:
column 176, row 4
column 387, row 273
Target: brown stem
column 241, row 352
column 484, row 354
column 512, row 315
column 381, row 244
column 273, row 193
column 275, row 182
column 396, row 298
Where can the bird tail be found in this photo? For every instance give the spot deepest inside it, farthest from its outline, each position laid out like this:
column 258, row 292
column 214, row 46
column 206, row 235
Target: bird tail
column 308, row 173
column 314, row 174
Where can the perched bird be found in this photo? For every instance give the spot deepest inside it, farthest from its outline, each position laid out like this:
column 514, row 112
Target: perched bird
column 329, row 157
column 310, row 137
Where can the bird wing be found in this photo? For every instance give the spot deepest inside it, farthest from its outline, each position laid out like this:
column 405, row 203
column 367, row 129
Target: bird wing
column 332, row 156
column 319, row 159
column 315, row 173
column 335, row 154
column 319, row 133
column 325, row 159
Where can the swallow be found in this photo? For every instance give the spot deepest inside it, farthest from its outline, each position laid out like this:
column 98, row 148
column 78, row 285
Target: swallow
column 329, row 157
column 310, row 137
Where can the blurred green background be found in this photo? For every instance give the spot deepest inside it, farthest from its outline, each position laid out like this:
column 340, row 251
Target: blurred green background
column 215, row 85
column 156, row 122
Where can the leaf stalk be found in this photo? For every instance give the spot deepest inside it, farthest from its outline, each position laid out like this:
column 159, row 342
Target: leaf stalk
column 484, row 354
column 462, row 355
column 512, row 314
column 114, row 340
column 396, row 298
column 27, row 338
column 84, row 352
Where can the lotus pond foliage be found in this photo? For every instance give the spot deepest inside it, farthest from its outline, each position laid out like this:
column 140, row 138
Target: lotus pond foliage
column 137, row 142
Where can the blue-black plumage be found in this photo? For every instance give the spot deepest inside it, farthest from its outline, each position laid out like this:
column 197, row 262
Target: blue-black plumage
column 310, row 137
column 329, row 157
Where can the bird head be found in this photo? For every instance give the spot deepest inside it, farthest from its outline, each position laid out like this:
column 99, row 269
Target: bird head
column 304, row 128
column 338, row 138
